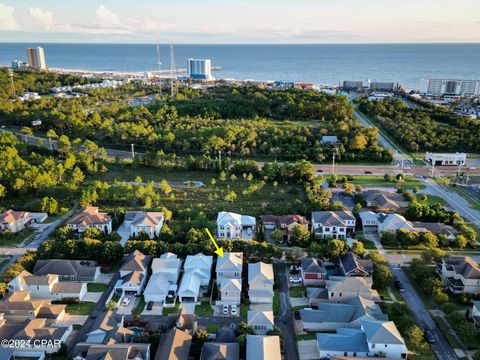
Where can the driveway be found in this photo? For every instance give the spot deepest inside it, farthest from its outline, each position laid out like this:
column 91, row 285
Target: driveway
column 127, row 309
column 69, row 319
column 260, row 307
column 104, row 278
column 92, row 296
column 299, row 301
column 188, row 306
column 308, row 350
column 124, row 233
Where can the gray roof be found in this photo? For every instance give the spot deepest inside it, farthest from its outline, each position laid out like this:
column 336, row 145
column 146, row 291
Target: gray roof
column 80, row 268
column 314, row 293
column 464, row 265
column 344, row 340
column 136, row 261
column 312, row 265
column 220, row 351
column 382, row 332
column 352, row 261
column 332, row 218
column 263, row 347
column 225, row 335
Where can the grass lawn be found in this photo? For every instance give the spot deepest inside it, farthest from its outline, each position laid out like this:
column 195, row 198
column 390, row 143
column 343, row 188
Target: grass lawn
column 140, row 306
column 96, row 287
column 445, row 331
column 297, row 291
column 212, row 328
column 379, row 181
column 472, row 201
column 276, row 302
column 307, row 336
column 432, row 200
column 171, row 310
column 204, row 309
column 369, row 244
column 84, row 308
column 384, row 295
column 16, row 238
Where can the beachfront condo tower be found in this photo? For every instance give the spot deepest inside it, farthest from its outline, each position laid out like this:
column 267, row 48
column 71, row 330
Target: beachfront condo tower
column 36, row 58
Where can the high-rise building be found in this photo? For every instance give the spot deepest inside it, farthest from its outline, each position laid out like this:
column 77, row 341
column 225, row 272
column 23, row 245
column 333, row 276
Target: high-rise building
column 36, row 58
column 19, row 65
column 200, row 69
column 440, row 87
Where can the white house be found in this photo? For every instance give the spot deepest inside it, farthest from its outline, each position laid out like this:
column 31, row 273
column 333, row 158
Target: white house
column 260, row 283
column 341, row 289
column 263, row 348
column 229, row 266
column 235, row 226
column 392, row 223
column 261, row 321
column 141, row 222
column 133, row 274
column 460, row 274
column 196, row 277
column 48, row 287
column 14, row 221
column 369, row 220
column 90, row 217
column 164, row 279
column 333, row 224
column 384, row 338
column 230, row 292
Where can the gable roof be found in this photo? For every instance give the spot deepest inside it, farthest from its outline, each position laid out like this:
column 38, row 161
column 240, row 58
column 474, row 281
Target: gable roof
column 225, row 335
column 80, row 268
column 260, row 272
column 142, row 218
column 220, row 351
column 11, row 216
column 231, row 285
column 350, row 340
column 89, row 215
column 284, row 219
column 136, row 261
column 394, row 222
column 232, row 219
column 263, row 347
column 174, row 345
column 313, row 265
column 350, row 284
column 231, row 261
column 352, row 261
column 260, row 317
column 198, row 261
column 463, row 265
column 383, row 332
column 332, row 218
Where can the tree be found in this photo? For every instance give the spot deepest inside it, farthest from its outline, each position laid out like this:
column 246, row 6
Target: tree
column 359, row 142
column 416, row 189
column 348, row 189
column 63, row 144
column 213, row 182
column 358, row 248
column 300, row 236
column 230, row 197
column 357, row 208
column 461, row 241
column 77, row 176
column 387, row 177
column 49, row 205
column 382, row 276
column 337, row 248
column 3, row 191
column 277, row 236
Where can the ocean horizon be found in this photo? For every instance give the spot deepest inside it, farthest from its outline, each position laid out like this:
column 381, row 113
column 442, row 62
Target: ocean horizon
column 405, row 63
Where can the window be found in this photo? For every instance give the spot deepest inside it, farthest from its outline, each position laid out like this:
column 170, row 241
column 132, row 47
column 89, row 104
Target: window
column 332, row 294
column 373, row 346
column 386, row 345
column 345, row 353
column 340, row 295
column 327, row 229
column 226, row 293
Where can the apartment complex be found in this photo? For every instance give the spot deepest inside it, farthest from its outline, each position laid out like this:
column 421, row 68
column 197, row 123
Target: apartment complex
column 441, row 87
column 36, row 58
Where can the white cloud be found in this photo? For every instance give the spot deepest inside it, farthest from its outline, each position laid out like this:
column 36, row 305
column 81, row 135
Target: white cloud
column 7, row 19
column 107, row 18
column 42, row 17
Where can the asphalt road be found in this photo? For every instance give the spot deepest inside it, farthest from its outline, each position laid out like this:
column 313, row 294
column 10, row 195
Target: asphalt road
column 284, row 320
column 441, row 347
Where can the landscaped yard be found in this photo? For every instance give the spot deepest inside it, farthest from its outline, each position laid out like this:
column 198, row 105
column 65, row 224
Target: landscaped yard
column 243, row 310
column 444, row 329
column 212, row 328
column 171, row 310
column 96, row 287
column 204, row 309
column 15, row 238
column 307, row 336
column 140, row 305
column 84, row 308
column 297, row 291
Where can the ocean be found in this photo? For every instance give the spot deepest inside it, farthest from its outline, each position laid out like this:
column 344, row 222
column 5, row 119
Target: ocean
column 407, row 64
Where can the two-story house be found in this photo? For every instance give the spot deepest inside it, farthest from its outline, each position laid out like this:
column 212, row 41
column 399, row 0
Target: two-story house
column 14, row 221
column 133, row 274
column 460, row 274
column 141, row 222
column 196, row 277
column 229, row 277
column 341, row 289
column 68, row 270
column 235, row 226
column 352, row 265
column 260, row 283
column 163, row 281
column 333, row 224
column 313, row 272
column 90, row 217
column 284, row 223
column 260, row 321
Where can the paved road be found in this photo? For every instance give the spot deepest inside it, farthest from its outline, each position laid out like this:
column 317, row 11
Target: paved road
column 284, row 320
column 53, row 225
column 441, row 347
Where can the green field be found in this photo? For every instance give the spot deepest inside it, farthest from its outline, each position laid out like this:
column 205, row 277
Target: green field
column 172, row 310
column 204, row 309
column 84, row 308
column 96, row 287
column 379, row 181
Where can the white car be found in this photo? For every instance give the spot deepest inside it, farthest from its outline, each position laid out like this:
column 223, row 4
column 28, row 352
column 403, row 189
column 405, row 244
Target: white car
column 234, row 310
column 295, row 279
column 225, row 309
column 37, row 237
column 126, row 300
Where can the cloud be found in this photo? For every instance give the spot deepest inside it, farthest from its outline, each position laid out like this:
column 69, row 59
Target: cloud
column 7, row 19
column 42, row 17
column 107, row 18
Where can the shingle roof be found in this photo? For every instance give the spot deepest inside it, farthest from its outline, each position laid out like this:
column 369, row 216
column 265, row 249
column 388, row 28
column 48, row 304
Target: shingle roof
column 464, row 265
column 80, row 268
column 313, row 265
column 142, row 218
column 67, row 287
column 260, row 317
column 382, row 332
column 10, row 216
column 332, row 218
column 89, row 215
column 263, row 347
column 225, row 335
column 352, row 261
column 260, row 272
column 348, row 340
column 136, row 261
column 220, row 351
column 174, row 345
column 230, row 261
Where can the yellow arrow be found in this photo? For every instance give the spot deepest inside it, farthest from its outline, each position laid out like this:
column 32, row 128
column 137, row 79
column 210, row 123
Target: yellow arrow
column 219, row 251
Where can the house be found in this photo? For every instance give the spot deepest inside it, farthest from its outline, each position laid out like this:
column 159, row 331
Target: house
column 475, row 314
column 333, row 224
column 235, row 226
column 34, row 337
column 89, row 217
column 164, row 279
column 220, row 351
column 225, row 335
column 369, row 220
column 133, row 274
column 260, row 283
column 48, row 287
column 316, row 296
column 436, row 228
column 373, row 339
column 261, row 321
column 68, row 270
column 332, row 316
column 460, row 274
column 229, row 266
column 132, row 351
column 284, row 223
column 313, row 272
column 38, row 217
column 341, row 289
column 330, row 140
column 19, row 306
column 196, row 277
column 141, row 222
column 110, row 331
column 352, row 265
column 174, row 345
column 385, row 201
column 263, row 347
column 392, row 223
column 14, row 221
column 230, row 292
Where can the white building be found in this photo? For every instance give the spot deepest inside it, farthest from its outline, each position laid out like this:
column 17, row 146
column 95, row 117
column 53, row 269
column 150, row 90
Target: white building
column 196, row 277
column 199, row 69
column 164, row 279
column 333, row 224
column 441, row 87
column 141, row 222
column 36, row 58
column 235, row 226
column 444, row 159
column 14, row 221
column 261, row 321
column 260, row 283
column 90, row 217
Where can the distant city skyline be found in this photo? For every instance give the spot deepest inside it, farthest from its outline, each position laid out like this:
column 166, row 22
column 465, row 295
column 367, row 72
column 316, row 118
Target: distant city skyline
column 241, row 21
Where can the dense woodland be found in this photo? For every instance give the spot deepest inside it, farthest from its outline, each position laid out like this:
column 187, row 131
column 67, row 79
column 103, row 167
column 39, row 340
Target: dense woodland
column 432, row 129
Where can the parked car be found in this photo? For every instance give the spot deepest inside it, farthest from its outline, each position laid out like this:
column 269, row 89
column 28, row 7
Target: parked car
column 126, row 300
column 234, row 310
column 428, row 335
column 225, row 309
column 150, row 305
column 368, row 173
column 399, row 286
column 296, row 315
column 295, row 279
column 294, row 269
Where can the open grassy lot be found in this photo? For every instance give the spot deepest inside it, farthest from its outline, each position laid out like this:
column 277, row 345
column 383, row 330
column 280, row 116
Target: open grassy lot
column 16, row 238
column 96, row 287
column 379, row 181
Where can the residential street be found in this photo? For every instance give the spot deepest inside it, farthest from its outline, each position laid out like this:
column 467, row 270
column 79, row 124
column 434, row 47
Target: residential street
column 285, row 319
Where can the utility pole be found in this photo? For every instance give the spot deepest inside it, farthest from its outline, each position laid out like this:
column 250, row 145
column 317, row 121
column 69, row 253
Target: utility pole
column 172, row 68
column 333, row 163
column 133, row 150
column 220, row 156
column 433, row 168
column 10, row 72
column 159, row 69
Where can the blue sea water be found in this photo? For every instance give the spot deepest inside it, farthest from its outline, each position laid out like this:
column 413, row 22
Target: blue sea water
column 320, row 64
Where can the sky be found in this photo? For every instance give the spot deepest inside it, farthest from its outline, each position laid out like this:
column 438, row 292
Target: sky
column 240, row 21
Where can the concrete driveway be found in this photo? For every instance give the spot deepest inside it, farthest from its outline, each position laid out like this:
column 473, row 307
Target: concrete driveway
column 104, row 278
column 92, row 296
column 188, row 306
column 69, row 319
column 308, row 350
column 127, row 309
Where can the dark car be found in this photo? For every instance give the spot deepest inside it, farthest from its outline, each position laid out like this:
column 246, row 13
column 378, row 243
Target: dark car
column 428, row 335
column 320, row 170
column 296, row 315
column 368, row 173
column 150, row 305
column 399, row 286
